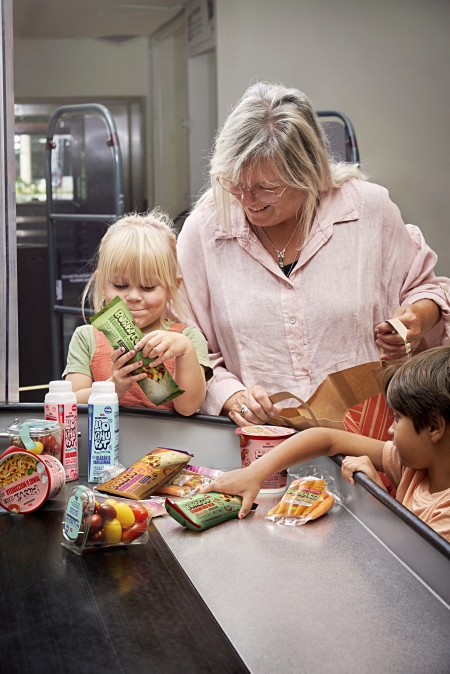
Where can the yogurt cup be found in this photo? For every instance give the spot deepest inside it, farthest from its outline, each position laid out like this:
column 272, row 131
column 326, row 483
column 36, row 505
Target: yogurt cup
column 27, row 480
column 256, row 441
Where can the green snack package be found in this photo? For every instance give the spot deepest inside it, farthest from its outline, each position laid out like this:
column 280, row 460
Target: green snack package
column 203, row 511
column 117, row 324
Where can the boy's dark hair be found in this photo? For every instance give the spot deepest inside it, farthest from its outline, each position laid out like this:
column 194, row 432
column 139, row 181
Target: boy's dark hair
column 420, row 387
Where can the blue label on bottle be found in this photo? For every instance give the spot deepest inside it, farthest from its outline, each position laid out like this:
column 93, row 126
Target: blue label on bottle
column 103, row 438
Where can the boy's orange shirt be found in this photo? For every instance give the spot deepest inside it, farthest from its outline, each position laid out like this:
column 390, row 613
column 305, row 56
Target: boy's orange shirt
column 413, row 491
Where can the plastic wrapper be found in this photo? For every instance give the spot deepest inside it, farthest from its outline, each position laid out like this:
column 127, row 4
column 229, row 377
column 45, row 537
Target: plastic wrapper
column 146, row 476
column 92, row 520
column 39, row 436
column 117, row 324
column 212, row 473
column 185, row 484
column 310, row 495
column 203, row 511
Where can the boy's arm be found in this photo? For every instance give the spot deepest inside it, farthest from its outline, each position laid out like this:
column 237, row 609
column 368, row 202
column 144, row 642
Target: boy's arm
column 304, row 446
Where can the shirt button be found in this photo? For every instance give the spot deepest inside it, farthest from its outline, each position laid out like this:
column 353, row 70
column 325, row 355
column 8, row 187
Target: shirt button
column 289, row 285
column 299, row 355
column 292, row 319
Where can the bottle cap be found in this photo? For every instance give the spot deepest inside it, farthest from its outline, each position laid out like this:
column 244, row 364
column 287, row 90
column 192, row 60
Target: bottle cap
column 60, row 386
column 104, row 386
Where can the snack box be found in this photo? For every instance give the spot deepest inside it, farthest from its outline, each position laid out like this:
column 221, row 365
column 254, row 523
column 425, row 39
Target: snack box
column 40, row 436
column 146, row 476
column 27, row 480
column 203, row 511
column 95, row 521
column 255, row 441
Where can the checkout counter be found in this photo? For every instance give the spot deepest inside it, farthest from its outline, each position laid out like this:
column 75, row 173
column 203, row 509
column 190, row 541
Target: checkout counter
column 366, row 588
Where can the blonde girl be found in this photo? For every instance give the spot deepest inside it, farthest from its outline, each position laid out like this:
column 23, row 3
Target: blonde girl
column 137, row 261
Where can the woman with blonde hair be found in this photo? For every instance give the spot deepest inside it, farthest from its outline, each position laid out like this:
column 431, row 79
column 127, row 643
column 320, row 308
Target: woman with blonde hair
column 137, row 261
column 293, row 262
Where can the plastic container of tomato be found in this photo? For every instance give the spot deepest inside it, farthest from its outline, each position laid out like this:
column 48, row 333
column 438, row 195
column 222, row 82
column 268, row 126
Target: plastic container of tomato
column 255, row 441
column 92, row 520
column 27, row 480
column 41, row 436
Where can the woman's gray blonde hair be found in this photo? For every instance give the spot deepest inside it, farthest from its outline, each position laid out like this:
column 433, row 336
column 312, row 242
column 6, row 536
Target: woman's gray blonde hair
column 276, row 125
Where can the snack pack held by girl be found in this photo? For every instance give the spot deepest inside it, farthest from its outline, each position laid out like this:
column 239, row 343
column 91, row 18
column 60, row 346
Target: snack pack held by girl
column 149, row 348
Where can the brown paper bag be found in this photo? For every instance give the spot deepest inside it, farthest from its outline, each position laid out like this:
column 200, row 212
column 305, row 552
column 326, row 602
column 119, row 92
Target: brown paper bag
column 330, row 402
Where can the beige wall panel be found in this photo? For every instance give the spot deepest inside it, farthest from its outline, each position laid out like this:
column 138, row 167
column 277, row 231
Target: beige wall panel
column 386, row 64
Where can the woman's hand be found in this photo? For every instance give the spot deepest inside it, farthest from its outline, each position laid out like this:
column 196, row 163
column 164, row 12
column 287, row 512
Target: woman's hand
column 122, row 371
column 162, row 344
column 242, row 482
column 251, row 406
column 353, row 464
column 418, row 318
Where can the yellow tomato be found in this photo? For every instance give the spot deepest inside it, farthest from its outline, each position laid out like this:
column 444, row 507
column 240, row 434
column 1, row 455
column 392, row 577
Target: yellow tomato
column 111, row 501
column 38, row 449
column 125, row 515
column 113, row 531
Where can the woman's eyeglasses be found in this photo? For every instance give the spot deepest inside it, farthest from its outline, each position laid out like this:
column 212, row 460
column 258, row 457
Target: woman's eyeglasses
column 258, row 193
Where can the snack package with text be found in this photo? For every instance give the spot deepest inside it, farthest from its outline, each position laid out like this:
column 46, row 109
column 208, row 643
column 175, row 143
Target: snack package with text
column 309, row 496
column 203, row 511
column 117, row 324
column 185, row 484
column 144, row 477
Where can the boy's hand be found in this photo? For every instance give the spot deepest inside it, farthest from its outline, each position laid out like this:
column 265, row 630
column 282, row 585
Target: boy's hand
column 122, row 371
column 162, row 344
column 353, row 464
column 241, row 482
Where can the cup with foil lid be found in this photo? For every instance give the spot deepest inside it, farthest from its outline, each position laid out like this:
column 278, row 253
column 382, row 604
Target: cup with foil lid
column 255, row 441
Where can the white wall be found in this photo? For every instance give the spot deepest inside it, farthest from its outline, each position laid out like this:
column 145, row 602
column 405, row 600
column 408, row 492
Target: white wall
column 385, row 63
column 77, row 68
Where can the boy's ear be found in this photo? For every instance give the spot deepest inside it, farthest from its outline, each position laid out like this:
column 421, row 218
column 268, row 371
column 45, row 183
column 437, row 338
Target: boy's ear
column 437, row 427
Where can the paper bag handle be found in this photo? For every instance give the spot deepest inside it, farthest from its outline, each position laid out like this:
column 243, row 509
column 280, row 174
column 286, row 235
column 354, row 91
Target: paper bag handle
column 285, row 395
column 402, row 331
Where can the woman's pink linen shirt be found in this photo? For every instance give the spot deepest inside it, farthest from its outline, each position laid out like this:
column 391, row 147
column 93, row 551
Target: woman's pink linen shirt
column 360, row 263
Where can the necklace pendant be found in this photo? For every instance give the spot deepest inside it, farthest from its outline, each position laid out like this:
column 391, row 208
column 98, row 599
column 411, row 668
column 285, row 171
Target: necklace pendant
column 280, row 254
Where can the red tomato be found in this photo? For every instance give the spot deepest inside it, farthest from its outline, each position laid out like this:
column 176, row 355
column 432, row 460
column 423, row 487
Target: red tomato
column 129, row 535
column 95, row 524
column 140, row 512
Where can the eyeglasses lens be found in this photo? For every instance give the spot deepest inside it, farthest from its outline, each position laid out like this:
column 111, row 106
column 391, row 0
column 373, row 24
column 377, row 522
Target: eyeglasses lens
column 259, row 194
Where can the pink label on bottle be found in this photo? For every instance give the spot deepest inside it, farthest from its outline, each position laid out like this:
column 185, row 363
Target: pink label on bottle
column 66, row 414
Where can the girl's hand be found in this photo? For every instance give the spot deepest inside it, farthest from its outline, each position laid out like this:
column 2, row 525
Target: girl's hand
column 122, row 371
column 353, row 464
column 252, row 406
column 242, row 482
column 162, row 344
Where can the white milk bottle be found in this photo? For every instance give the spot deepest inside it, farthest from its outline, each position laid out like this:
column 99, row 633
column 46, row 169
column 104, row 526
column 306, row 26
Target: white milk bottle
column 61, row 406
column 103, row 435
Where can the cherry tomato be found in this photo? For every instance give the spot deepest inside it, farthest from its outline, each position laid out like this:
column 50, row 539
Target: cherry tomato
column 125, row 515
column 38, row 449
column 106, row 511
column 130, row 535
column 141, row 513
column 113, row 531
column 95, row 524
column 99, row 538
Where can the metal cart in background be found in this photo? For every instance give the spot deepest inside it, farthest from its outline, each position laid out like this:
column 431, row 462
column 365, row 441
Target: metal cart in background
column 84, row 187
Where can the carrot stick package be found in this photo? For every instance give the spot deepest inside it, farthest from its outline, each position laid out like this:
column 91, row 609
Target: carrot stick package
column 309, row 496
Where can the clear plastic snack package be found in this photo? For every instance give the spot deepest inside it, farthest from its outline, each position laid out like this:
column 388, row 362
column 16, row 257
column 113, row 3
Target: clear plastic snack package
column 185, row 484
column 40, row 436
column 310, row 495
column 92, row 520
column 117, row 324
